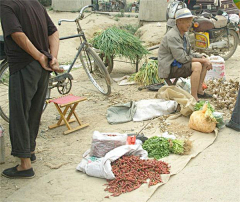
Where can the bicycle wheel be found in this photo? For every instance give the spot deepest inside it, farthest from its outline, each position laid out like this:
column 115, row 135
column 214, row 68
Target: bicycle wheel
column 4, row 83
column 233, row 43
column 4, row 100
column 96, row 70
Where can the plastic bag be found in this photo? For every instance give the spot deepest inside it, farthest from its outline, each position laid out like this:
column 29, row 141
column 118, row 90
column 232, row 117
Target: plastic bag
column 198, row 121
column 101, row 167
column 219, row 118
column 234, row 18
column 102, row 143
column 148, row 109
column 218, row 68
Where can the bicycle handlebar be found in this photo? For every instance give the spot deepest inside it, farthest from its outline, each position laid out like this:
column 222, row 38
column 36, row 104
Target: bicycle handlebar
column 79, row 17
column 65, row 20
column 82, row 10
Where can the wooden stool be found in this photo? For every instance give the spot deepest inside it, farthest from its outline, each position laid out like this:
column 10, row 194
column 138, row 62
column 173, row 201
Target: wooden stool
column 69, row 102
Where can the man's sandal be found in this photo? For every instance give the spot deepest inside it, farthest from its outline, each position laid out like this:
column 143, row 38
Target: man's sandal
column 205, row 95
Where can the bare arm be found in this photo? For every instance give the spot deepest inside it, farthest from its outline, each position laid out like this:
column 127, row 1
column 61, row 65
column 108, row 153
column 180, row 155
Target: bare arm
column 54, row 44
column 22, row 40
column 54, row 47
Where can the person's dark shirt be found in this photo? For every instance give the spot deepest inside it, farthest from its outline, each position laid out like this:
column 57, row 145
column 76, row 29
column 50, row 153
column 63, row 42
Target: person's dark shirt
column 30, row 17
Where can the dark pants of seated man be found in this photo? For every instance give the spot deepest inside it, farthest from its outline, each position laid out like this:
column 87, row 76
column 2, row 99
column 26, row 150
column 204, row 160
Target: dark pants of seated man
column 27, row 92
column 184, row 71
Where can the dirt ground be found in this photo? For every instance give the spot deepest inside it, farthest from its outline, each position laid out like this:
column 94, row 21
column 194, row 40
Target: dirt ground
column 213, row 175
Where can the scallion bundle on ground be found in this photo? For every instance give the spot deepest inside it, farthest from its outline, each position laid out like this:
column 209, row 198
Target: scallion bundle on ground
column 117, row 42
column 148, row 74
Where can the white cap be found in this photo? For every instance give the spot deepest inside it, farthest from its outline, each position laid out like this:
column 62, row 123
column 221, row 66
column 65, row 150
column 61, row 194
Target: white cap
column 183, row 13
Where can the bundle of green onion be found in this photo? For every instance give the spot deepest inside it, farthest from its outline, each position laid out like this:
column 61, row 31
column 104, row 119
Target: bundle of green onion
column 117, row 42
column 148, row 74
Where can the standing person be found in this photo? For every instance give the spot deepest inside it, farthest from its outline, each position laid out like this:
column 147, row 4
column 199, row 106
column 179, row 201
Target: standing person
column 31, row 45
column 176, row 59
column 189, row 3
column 234, row 122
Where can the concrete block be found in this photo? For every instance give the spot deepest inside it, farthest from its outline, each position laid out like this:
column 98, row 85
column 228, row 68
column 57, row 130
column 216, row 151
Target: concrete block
column 69, row 5
column 153, row 10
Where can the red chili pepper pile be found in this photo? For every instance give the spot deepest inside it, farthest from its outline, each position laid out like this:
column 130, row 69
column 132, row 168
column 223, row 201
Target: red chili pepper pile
column 131, row 172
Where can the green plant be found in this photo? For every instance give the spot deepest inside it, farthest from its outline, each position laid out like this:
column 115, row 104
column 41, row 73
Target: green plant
column 116, row 19
column 129, row 7
column 122, row 13
column 118, row 15
column 148, row 74
column 132, row 29
column 118, row 42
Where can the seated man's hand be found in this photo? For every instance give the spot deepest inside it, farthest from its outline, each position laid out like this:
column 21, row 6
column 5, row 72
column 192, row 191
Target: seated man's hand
column 208, row 63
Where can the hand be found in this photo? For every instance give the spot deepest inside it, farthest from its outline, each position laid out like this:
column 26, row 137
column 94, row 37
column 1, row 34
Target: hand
column 207, row 63
column 43, row 60
column 55, row 65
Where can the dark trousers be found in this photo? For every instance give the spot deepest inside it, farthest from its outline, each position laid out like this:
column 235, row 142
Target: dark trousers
column 27, row 92
column 235, row 119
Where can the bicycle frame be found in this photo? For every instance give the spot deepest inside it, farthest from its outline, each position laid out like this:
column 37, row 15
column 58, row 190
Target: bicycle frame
column 79, row 49
column 83, row 42
column 81, row 35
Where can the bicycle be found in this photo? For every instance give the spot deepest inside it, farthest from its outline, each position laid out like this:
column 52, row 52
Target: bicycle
column 92, row 64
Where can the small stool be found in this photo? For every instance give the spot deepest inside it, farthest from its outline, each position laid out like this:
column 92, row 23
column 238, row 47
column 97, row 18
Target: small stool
column 69, row 102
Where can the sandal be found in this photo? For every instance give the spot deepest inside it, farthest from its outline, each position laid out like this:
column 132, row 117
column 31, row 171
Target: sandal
column 205, row 95
column 14, row 173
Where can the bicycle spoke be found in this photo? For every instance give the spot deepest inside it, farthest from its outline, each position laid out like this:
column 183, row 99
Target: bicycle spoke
column 97, row 74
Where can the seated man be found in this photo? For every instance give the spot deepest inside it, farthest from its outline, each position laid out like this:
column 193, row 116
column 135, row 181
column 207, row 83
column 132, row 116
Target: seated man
column 175, row 58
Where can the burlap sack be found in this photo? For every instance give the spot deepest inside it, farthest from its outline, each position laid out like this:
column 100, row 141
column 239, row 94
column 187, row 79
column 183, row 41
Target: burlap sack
column 182, row 97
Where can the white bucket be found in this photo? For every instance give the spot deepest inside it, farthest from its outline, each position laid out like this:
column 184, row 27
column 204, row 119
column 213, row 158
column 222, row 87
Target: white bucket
column 218, row 68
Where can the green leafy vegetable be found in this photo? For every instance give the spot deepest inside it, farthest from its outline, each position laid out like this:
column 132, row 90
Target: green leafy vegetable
column 209, row 116
column 157, row 147
column 177, row 146
column 200, row 104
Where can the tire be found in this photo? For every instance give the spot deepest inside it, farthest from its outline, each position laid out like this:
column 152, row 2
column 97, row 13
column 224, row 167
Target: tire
column 96, row 70
column 4, row 85
column 233, row 46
